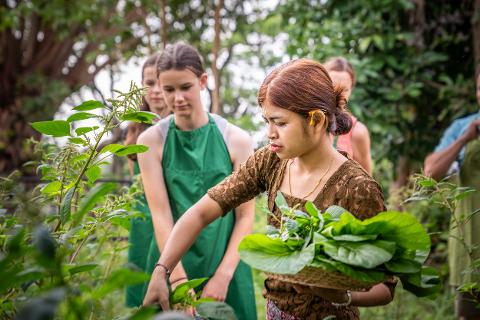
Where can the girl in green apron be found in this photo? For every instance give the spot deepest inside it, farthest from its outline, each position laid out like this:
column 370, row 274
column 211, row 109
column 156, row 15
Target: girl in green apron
column 141, row 231
column 189, row 152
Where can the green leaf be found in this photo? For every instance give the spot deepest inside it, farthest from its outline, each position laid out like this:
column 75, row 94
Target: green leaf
column 368, row 254
column 131, row 149
column 91, row 199
column 312, row 209
column 55, row 128
column 81, row 268
column 281, row 202
column 93, row 173
column 89, row 105
column 403, row 266
column 335, row 212
column 182, row 290
column 215, row 311
column 114, row 147
column 423, row 283
column 354, row 238
column 81, row 116
column 52, row 187
column 427, row 182
column 139, row 116
column 77, row 140
column 273, row 255
column 361, row 274
column 66, row 205
column 83, row 130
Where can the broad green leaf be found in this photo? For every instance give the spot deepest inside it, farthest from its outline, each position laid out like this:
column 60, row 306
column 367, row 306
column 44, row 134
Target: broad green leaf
column 66, row 205
column 89, row 105
column 273, row 255
column 139, row 116
column 281, row 202
column 361, row 274
column 93, row 173
column 83, row 130
column 52, row 187
column 215, row 311
column 423, row 283
column 427, row 182
column 91, row 199
column 335, row 212
column 464, row 194
column 55, row 128
column 354, row 238
column 81, row 268
column 403, row 266
column 312, row 209
column 180, row 292
column 367, row 254
column 114, row 147
column 81, row 116
column 77, row 140
column 131, row 149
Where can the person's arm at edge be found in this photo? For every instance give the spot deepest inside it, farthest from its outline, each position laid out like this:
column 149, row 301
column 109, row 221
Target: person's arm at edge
column 437, row 164
column 150, row 163
column 361, row 146
column 240, row 146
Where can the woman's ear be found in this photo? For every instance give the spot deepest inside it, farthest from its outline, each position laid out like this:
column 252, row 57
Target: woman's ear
column 203, row 81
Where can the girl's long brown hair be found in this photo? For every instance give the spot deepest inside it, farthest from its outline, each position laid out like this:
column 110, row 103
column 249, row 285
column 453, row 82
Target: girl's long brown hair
column 134, row 128
column 341, row 64
column 302, row 86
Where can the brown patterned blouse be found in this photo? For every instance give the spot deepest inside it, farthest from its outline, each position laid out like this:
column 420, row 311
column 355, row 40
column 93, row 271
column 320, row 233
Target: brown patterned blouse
column 349, row 187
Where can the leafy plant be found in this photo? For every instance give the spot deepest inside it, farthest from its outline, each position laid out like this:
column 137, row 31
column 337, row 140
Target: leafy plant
column 60, row 241
column 388, row 244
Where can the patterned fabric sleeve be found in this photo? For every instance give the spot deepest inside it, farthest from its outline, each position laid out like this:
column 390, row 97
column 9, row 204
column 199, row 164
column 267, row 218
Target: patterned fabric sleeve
column 364, row 197
column 246, row 182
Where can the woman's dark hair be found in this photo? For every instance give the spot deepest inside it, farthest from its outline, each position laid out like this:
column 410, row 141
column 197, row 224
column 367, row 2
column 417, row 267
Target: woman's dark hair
column 340, row 64
column 134, row 128
column 180, row 56
column 302, row 86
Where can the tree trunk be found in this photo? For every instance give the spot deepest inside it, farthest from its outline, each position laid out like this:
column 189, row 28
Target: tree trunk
column 215, row 51
column 163, row 18
column 476, row 36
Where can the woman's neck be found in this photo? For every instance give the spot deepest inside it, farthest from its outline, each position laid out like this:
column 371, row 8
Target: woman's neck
column 319, row 157
column 192, row 121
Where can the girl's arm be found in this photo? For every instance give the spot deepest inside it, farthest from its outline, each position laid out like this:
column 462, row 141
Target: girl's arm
column 181, row 238
column 240, row 148
column 361, row 146
column 155, row 191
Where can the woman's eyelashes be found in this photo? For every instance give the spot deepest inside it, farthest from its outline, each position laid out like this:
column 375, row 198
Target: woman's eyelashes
column 182, row 88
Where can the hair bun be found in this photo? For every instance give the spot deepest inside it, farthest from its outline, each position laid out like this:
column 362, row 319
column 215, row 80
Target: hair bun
column 343, row 119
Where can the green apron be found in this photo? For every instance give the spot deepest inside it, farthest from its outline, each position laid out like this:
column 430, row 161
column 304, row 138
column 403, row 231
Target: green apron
column 194, row 161
column 140, row 237
column 458, row 258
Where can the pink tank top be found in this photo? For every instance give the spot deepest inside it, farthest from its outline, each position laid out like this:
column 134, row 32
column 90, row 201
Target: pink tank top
column 344, row 142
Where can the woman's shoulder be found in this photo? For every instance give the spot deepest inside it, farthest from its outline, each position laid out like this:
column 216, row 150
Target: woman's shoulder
column 357, row 191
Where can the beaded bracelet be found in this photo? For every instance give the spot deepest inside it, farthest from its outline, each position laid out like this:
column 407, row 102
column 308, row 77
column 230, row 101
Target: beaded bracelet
column 344, row 304
column 167, row 271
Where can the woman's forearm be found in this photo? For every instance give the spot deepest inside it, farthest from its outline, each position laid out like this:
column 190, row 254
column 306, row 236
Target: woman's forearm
column 378, row 295
column 187, row 229
column 438, row 163
column 244, row 216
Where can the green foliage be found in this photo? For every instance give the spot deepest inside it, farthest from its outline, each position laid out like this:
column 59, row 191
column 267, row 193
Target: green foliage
column 58, row 249
column 414, row 68
column 388, row 244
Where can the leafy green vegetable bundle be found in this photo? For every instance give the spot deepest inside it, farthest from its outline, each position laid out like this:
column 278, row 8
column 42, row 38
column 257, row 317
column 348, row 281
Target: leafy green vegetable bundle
column 388, row 244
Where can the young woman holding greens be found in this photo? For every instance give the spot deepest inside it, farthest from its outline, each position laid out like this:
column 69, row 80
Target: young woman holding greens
column 190, row 152
column 302, row 109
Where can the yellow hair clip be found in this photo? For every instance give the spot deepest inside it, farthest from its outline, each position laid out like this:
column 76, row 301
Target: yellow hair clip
column 312, row 114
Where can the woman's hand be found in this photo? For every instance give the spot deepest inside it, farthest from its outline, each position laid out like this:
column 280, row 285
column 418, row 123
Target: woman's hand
column 217, row 287
column 157, row 292
column 332, row 295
